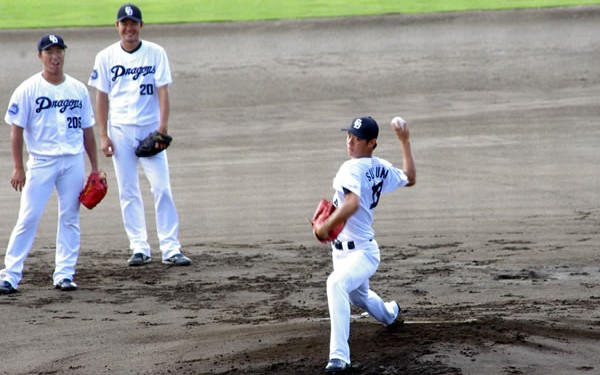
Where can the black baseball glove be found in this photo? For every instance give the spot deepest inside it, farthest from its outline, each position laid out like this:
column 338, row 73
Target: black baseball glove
column 154, row 143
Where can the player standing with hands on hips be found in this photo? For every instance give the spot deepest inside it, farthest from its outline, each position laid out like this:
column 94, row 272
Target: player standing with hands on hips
column 358, row 185
column 52, row 115
column 132, row 78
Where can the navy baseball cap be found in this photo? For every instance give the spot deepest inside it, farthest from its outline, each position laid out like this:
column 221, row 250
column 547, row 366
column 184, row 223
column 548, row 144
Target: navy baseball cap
column 129, row 11
column 364, row 127
column 50, row 40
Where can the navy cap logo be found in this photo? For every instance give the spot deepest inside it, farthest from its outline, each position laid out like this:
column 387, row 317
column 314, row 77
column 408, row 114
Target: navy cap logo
column 50, row 40
column 363, row 127
column 129, row 11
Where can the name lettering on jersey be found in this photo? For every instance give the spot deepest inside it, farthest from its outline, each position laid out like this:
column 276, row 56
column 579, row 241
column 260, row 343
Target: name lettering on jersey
column 379, row 173
column 44, row 102
column 120, row 71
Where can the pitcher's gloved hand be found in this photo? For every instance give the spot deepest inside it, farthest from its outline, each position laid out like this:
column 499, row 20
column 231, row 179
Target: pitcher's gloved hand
column 324, row 209
column 154, row 143
column 94, row 190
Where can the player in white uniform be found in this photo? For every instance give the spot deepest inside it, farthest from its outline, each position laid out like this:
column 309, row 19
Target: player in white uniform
column 132, row 77
column 358, row 185
column 52, row 115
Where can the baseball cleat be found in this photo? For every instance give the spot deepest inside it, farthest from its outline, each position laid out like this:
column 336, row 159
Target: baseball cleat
column 178, row 260
column 7, row 288
column 66, row 285
column 398, row 321
column 336, row 365
column 138, row 259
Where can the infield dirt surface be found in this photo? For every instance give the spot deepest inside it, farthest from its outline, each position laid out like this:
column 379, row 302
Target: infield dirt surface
column 493, row 255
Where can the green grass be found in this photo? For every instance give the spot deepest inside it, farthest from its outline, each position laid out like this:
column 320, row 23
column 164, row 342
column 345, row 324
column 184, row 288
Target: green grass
column 15, row 14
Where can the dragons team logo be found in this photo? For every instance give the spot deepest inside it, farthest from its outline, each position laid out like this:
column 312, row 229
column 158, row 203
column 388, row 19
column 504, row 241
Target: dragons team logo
column 43, row 102
column 53, row 38
column 357, row 123
column 128, row 10
column 135, row 73
column 14, row 109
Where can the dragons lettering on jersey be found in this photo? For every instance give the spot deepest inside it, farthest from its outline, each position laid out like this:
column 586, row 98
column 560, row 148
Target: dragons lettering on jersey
column 44, row 102
column 379, row 173
column 120, row 71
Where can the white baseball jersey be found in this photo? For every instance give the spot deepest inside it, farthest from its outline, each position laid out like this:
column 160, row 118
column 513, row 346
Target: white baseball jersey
column 53, row 116
column 368, row 178
column 131, row 80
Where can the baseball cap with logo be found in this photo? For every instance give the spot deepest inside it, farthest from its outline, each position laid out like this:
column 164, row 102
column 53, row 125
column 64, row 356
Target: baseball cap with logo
column 50, row 40
column 129, row 11
column 364, row 127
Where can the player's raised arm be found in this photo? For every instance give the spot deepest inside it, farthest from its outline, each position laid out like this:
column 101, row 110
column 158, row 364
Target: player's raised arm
column 400, row 127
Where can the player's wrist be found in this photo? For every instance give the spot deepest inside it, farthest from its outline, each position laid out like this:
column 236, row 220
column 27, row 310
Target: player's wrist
column 320, row 233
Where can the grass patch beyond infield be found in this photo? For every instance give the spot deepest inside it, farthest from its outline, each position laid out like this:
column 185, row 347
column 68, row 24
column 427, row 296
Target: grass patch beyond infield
column 67, row 13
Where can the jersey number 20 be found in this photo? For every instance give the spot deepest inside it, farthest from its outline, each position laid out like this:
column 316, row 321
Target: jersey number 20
column 147, row 89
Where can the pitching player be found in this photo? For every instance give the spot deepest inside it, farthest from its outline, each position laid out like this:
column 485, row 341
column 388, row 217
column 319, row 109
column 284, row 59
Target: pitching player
column 132, row 77
column 52, row 115
column 358, row 185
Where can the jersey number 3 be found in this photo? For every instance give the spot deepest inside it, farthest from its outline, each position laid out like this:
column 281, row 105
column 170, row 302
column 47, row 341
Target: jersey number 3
column 376, row 194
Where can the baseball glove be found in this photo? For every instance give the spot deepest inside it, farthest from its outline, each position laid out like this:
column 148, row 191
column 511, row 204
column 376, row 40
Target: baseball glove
column 94, row 190
column 154, row 143
column 324, row 210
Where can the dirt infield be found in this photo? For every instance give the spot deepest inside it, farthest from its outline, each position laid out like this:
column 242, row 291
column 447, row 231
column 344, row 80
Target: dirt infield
column 493, row 255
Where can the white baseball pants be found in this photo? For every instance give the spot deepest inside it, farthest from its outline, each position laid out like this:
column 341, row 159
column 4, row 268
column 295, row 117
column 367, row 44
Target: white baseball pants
column 349, row 284
column 125, row 139
column 67, row 173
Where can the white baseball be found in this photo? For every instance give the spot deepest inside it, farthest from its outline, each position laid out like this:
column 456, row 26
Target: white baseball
column 398, row 122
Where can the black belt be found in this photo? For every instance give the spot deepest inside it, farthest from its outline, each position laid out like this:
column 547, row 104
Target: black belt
column 338, row 245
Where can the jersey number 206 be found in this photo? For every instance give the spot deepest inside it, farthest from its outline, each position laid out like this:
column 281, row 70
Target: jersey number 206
column 74, row 122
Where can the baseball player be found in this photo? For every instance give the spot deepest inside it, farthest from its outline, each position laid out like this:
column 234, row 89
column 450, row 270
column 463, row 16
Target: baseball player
column 132, row 77
column 52, row 115
column 358, row 185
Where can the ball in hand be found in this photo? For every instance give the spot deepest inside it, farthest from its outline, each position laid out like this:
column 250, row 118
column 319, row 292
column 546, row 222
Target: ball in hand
column 398, row 122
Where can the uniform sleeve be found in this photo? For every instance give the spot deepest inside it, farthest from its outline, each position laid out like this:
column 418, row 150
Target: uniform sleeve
column 396, row 178
column 87, row 115
column 100, row 76
column 18, row 109
column 163, row 71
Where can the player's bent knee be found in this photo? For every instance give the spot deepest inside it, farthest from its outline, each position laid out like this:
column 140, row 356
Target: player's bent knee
column 336, row 283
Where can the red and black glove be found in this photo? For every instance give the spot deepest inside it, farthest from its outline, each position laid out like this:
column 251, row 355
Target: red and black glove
column 324, row 210
column 94, row 190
